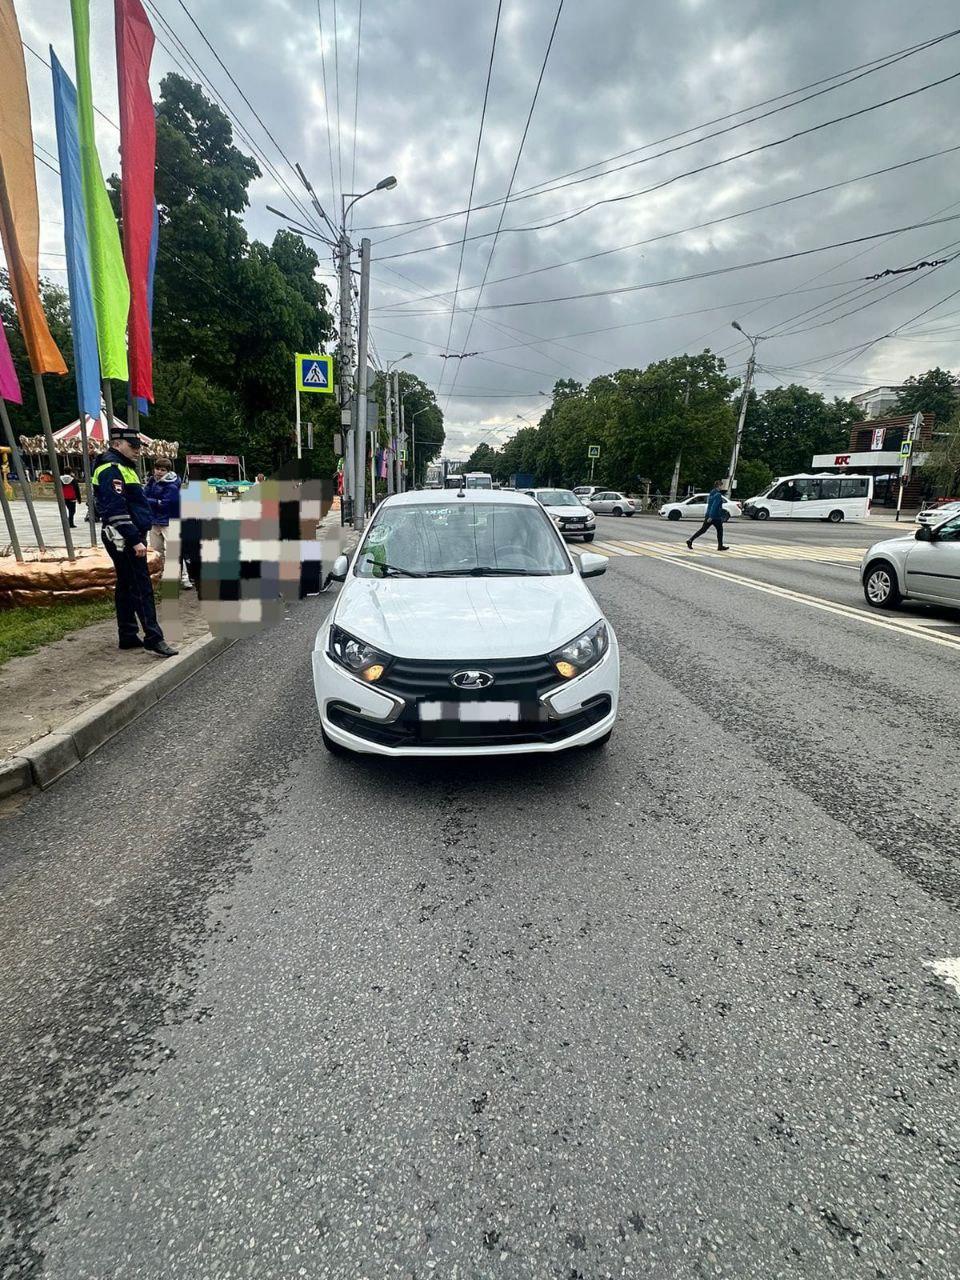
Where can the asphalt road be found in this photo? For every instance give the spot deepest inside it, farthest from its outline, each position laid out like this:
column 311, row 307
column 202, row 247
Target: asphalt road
column 664, row 1011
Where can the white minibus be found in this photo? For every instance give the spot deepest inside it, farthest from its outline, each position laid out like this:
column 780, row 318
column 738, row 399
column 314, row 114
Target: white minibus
column 808, row 497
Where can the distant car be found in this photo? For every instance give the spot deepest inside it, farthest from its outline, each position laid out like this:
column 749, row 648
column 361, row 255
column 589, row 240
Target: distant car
column 608, row 502
column 695, row 508
column 934, row 515
column 924, row 566
column 584, row 491
column 568, row 513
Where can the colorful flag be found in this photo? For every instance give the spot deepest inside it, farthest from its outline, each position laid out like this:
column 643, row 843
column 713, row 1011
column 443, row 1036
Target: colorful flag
column 138, row 156
column 154, row 241
column 111, row 292
column 9, row 382
column 82, row 319
column 19, row 210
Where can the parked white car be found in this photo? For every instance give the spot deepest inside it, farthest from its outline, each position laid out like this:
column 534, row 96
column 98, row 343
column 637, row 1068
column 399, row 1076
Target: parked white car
column 934, row 515
column 608, row 502
column 568, row 513
column 464, row 628
column 695, row 508
column 585, row 491
column 924, row 566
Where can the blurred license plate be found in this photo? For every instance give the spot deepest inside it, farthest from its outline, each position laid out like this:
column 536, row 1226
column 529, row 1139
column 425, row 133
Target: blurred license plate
column 470, row 712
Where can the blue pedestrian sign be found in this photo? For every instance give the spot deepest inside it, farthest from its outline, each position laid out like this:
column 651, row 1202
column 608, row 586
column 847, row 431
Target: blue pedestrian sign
column 315, row 373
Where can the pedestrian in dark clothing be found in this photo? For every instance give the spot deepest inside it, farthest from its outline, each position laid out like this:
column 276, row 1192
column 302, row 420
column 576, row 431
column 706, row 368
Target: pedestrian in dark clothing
column 127, row 519
column 716, row 514
column 71, row 495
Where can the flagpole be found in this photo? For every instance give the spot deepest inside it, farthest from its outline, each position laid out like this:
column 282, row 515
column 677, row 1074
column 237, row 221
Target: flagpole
column 21, row 473
column 52, row 450
column 88, row 477
column 8, row 517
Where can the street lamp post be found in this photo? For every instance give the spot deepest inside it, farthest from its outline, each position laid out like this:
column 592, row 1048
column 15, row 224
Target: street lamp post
column 391, row 411
column 747, row 381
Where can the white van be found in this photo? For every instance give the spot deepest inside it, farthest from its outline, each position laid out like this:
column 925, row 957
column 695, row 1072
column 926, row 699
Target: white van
column 819, row 497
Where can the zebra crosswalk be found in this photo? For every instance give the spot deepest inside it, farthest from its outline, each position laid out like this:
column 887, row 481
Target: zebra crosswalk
column 660, row 547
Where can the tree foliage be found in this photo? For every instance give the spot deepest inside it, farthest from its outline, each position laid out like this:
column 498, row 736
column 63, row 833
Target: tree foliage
column 941, row 469
column 935, row 391
column 786, row 426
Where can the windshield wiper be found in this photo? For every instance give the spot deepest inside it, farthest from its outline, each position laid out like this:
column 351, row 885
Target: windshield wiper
column 393, row 568
column 487, row 571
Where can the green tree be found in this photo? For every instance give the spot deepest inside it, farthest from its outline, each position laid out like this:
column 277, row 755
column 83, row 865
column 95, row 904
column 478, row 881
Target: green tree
column 786, row 426
column 424, row 423
column 935, row 391
column 482, row 459
column 941, row 470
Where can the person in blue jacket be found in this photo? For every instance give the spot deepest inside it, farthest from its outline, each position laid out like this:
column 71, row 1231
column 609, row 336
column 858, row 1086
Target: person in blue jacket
column 714, row 516
column 162, row 491
column 126, row 520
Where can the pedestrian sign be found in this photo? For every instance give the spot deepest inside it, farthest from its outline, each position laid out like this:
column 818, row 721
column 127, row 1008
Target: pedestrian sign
column 906, row 449
column 315, row 373
column 403, row 455
column 593, row 451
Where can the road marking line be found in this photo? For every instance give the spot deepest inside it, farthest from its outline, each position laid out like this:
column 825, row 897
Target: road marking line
column 947, row 970
column 815, row 602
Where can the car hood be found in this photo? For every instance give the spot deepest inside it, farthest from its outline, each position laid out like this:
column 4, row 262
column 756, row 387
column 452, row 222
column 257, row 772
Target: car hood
column 466, row 618
column 568, row 511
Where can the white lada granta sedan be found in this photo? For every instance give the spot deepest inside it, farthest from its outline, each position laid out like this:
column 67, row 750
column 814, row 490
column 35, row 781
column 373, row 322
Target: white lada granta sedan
column 464, row 628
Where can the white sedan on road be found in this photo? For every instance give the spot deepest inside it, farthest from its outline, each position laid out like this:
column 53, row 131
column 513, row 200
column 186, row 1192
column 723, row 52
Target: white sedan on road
column 935, row 515
column 924, row 566
column 695, row 508
column 464, row 628
column 568, row 513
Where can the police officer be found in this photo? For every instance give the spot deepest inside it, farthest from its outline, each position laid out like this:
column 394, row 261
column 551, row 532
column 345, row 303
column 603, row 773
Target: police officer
column 126, row 519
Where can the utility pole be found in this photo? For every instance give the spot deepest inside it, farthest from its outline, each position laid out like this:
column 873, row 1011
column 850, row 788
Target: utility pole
column 744, row 400
column 360, row 510
column 397, row 441
column 675, row 482
column 389, row 417
column 403, row 447
column 346, row 368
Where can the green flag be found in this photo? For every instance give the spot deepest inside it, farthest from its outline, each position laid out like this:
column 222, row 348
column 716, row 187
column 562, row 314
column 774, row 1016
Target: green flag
column 111, row 291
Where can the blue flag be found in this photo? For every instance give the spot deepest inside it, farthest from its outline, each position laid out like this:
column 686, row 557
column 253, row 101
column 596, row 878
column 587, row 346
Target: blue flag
column 85, row 354
column 151, row 272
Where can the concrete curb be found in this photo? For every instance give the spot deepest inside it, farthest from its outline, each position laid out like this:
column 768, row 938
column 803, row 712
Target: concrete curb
column 50, row 757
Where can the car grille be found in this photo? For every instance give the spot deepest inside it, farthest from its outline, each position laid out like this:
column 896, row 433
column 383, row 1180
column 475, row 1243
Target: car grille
column 407, row 731
column 515, row 680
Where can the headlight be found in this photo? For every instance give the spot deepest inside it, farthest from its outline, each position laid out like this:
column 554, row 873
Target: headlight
column 357, row 656
column 582, row 653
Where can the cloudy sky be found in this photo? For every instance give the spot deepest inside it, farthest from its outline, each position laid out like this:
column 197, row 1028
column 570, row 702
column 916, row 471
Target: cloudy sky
column 623, row 83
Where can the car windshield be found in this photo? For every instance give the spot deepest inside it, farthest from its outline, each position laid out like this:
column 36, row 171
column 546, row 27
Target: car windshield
column 557, row 498
column 461, row 539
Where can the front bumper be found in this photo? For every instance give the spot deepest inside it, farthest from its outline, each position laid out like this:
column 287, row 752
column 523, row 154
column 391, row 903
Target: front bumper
column 375, row 721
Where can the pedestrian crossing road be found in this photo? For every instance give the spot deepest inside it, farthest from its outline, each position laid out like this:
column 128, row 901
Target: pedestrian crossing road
column 738, row 551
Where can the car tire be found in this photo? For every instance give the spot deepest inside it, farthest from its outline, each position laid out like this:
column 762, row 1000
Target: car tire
column 763, row 513
column 599, row 743
column 628, row 514
column 880, row 587
column 835, row 517
column 334, row 748
column 673, row 515
column 617, row 511
column 589, row 537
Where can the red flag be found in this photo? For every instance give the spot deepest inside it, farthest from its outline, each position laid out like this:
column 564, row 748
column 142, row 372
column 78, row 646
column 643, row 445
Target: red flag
column 138, row 154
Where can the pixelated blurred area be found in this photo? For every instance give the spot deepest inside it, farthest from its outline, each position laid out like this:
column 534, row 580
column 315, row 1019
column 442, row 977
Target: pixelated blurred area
column 250, row 554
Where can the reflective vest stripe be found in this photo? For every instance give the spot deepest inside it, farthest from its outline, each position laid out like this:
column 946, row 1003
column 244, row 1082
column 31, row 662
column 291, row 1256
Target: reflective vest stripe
column 129, row 475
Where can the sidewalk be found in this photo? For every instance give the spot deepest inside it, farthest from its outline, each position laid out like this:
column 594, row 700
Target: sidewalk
column 41, row 691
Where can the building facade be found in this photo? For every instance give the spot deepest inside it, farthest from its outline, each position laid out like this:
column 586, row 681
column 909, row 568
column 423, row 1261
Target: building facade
column 877, row 402
column 875, row 451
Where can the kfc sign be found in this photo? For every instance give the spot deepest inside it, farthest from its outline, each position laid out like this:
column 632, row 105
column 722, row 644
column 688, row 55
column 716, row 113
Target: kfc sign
column 842, row 460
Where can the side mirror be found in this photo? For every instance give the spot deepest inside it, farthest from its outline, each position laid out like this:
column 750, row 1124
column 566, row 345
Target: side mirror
column 339, row 571
column 925, row 534
column 592, row 566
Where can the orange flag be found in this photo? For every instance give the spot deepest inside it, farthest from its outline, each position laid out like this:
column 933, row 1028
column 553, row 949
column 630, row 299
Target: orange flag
column 19, row 208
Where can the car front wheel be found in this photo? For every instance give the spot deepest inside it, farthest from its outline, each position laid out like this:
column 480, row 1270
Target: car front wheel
column 334, row 748
column 880, row 586
column 599, row 742
column 673, row 515
column 589, row 537
column 763, row 513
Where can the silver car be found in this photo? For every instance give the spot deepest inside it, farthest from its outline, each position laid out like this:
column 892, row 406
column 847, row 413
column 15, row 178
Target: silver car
column 610, row 503
column 935, row 515
column 924, row 566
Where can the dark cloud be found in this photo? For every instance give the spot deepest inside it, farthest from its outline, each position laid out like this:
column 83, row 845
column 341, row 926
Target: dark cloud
column 621, row 75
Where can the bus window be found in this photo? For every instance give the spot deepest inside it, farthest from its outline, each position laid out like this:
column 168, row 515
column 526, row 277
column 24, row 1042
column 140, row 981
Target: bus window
column 830, row 487
column 854, row 486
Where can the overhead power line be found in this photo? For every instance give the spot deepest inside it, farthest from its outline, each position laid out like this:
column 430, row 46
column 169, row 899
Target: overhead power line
column 473, row 176
column 356, row 98
column 698, row 226
column 555, row 183
column 516, row 165
column 688, row 173
column 702, row 275
column 326, row 108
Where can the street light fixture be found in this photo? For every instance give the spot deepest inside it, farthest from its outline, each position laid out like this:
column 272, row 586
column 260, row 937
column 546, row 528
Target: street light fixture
column 747, row 382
